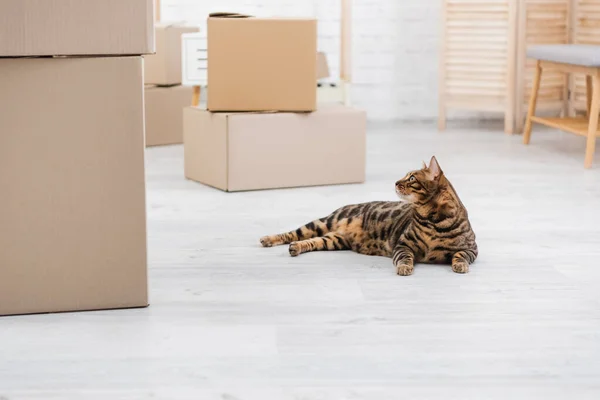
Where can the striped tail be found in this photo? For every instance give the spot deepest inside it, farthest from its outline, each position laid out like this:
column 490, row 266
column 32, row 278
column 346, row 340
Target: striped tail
column 313, row 229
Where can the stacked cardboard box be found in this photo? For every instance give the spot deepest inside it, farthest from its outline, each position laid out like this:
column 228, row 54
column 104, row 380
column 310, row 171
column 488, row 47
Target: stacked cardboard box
column 165, row 97
column 72, row 209
column 262, row 129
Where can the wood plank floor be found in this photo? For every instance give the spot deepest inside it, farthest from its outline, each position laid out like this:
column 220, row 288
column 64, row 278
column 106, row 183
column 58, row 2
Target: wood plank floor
column 232, row 321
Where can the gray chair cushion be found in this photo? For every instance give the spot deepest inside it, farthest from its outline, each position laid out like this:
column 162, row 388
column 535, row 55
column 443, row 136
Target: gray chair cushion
column 575, row 54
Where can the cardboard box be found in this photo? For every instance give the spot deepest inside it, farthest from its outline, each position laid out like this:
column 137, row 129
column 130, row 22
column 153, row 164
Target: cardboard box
column 164, row 114
column 261, row 64
column 164, row 67
column 322, row 66
column 72, row 208
column 248, row 151
column 83, row 27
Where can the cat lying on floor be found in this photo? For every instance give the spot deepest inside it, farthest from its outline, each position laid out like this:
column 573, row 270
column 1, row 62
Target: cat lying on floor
column 431, row 226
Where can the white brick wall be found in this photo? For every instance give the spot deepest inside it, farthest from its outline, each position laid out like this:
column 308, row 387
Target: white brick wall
column 394, row 54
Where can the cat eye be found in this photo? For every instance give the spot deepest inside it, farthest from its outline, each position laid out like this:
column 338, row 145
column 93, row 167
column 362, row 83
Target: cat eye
column 412, row 178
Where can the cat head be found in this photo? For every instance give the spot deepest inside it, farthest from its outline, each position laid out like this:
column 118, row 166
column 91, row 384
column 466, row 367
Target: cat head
column 422, row 185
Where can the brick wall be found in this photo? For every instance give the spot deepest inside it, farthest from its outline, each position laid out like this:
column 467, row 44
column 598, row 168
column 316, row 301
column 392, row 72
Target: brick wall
column 395, row 46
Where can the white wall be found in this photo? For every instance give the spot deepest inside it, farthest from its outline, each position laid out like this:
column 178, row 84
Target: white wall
column 395, row 46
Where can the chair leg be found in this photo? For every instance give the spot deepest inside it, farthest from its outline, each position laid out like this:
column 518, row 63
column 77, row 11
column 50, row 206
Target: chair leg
column 196, row 96
column 532, row 102
column 565, row 111
column 590, row 147
column 588, row 87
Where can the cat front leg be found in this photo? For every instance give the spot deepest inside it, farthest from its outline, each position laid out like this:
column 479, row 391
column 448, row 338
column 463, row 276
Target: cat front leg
column 404, row 260
column 461, row 261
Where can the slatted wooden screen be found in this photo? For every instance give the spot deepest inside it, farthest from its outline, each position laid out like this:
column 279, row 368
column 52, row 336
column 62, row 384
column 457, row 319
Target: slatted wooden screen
column 541, row 22
column 586, row 30
column 477, row 57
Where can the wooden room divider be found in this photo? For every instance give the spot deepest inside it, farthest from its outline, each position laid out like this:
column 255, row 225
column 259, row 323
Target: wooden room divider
column 477, row 57
column 483, row 64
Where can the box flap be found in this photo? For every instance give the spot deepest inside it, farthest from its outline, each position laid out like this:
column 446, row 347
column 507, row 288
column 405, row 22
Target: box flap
column 175, row 24
column 228, row 15
column 229, row 113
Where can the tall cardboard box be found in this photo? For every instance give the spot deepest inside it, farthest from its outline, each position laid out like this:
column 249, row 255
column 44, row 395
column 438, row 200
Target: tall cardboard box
column 164, row 113
column 164, row 67
column 72, row 203
column 76, row 27
column 249, row 151
column 261, row 64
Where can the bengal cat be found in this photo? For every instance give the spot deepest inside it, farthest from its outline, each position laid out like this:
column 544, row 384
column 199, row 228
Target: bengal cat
column 431, row 226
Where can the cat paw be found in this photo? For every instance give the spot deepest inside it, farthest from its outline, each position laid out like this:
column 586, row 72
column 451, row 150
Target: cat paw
column 460, row 268
column 294, row 249
column 266, row 241
column 405, row 270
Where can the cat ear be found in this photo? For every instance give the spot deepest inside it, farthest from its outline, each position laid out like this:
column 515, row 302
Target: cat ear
column 434, row 168
column 424, row 165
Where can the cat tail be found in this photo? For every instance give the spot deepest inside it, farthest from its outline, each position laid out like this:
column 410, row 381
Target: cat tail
column 316, row 228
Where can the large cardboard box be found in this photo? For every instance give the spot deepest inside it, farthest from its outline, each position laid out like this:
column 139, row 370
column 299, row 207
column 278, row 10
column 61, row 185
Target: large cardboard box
column 164, row 67
column 261, row 64
column 164, row 114
column 72, row 203
column 248, row 151
column 76, row 27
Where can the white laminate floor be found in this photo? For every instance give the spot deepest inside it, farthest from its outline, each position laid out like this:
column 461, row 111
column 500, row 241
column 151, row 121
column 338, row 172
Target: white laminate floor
column 230, row 320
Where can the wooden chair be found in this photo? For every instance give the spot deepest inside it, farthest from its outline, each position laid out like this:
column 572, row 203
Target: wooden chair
column 569, row 58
